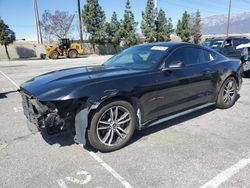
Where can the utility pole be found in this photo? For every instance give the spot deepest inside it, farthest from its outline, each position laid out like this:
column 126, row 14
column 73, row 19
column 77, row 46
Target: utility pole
column 156, row 18
column 80, row 20
column 38, row 29
column 228, row 18
column 156, row 8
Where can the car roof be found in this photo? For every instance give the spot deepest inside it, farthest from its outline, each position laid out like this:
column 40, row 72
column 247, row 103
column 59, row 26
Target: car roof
column 167, row 44
column 219, row 38
column 237, row 38
column 215, row 39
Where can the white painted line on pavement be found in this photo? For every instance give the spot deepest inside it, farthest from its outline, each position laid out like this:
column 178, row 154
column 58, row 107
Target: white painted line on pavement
column 3, row 145
column 18, row 109
column 61, row 183
column 228, row 173
column 17, row 86
column 77, row 181
column 7, row 89
column 110, row 170
column 96, row 157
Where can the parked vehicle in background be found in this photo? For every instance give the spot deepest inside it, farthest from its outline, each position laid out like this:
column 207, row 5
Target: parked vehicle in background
column 140, row 87
column 246, row 64
column 213, row 42
column 229, row 48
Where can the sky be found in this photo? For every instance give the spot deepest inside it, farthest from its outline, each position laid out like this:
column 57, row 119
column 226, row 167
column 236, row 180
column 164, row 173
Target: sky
column 19, row 15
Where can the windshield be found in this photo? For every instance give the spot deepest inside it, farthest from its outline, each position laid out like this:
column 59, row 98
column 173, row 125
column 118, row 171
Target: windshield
column 205, row 43
column 216, row 43
column 212, row 43
column 138, row 57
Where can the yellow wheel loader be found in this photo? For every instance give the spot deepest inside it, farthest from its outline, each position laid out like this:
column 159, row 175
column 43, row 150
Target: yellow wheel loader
column 64, row 48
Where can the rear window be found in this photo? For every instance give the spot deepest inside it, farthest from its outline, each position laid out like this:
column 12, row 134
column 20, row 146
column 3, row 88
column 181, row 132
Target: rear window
column 244, row 41
column 237, row 42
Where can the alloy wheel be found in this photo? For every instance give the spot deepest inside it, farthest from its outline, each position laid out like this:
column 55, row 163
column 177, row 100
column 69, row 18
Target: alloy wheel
column 229, row 92
column 113, row 125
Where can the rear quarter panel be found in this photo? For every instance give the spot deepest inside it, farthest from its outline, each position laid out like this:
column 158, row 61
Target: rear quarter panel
column 226, row 68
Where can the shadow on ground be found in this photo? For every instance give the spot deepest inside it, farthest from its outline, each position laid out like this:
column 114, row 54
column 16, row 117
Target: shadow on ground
column 4, row 94
column 177, row 121
column 25, row 52
column 63, row 139
column 66, row 138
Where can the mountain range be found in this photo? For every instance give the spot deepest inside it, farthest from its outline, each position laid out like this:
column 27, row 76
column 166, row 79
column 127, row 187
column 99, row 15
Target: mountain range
column 239, row 23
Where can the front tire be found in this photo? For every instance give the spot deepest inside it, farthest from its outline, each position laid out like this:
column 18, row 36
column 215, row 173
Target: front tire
column 228, row 93
column 112, row 126
column 54, row 55
column 73, row 54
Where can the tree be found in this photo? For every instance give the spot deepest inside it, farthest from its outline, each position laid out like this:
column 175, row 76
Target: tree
column 183, row 30
column 113, row 31
column 56, row 25
column 178, row 28
column 7, row 36
column 148, row 26
column 128, row 26
column 165, row 27
column 196, row 27
column 94, row 21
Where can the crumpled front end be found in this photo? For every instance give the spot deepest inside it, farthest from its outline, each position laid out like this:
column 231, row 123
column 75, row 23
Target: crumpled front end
column 44, row 116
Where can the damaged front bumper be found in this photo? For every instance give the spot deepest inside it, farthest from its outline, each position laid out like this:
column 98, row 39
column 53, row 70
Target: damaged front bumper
column 41, row 117
column 47, row 118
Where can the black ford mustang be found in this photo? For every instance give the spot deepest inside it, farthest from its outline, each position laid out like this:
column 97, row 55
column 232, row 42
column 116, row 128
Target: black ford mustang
column 140, row 87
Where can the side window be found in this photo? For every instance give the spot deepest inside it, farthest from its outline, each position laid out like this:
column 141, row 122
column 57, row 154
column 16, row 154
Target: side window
column 209, row 56
column 228, row 43
column 179, row 55
column 244, row 41
column 236, row 42
column 191, row 56
column 195, row 56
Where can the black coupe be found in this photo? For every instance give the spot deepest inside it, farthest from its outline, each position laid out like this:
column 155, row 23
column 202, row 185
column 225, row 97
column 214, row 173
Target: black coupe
column 142, row 86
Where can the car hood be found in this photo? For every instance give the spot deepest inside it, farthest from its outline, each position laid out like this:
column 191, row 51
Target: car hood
column 58, row 84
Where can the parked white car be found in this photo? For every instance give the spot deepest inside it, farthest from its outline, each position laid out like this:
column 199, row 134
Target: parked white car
column 246, row 64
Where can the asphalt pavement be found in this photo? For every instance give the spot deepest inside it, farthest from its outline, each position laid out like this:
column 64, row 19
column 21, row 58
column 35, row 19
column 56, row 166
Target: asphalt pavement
column 208, row 148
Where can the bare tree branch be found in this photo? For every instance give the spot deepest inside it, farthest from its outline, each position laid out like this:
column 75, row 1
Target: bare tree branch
column 57, row 25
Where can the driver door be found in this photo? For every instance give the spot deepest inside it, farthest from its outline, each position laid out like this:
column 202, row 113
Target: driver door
column 187, row 86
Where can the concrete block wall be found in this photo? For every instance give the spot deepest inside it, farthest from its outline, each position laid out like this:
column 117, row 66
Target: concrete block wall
column 19, row 50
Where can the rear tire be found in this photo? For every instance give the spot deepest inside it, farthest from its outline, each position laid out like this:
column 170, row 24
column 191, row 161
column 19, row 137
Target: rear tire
column 112, row 126
column 227, row 94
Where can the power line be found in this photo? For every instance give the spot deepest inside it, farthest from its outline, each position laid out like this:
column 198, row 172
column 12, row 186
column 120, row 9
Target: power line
column 246, row 1
column 189, row 7
column 210, row 4
column 223, row 5
column 20, row 25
